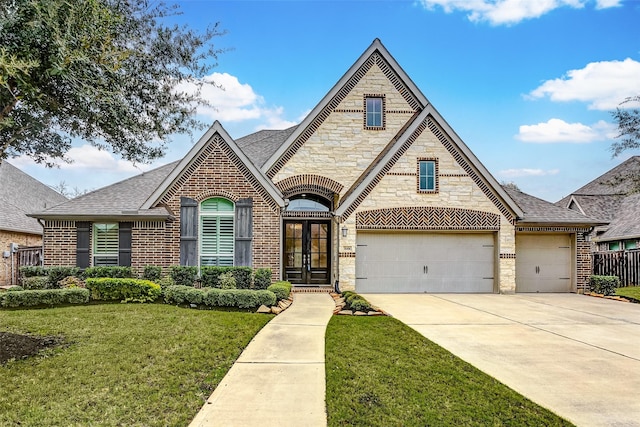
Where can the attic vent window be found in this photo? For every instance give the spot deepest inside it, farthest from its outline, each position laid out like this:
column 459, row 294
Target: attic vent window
column 374, row 118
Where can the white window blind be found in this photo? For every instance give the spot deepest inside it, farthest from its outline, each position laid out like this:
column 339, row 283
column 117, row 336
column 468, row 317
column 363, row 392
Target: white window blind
column 217, row 232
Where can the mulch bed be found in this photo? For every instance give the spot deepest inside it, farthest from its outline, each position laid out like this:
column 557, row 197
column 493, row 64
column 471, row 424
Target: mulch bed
column 17, row 346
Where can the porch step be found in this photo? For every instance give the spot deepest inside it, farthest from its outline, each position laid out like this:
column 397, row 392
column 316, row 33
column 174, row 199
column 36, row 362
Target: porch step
column 312, row 289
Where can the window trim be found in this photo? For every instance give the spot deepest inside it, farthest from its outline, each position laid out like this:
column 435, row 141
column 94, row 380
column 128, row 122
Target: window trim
column 383, row 115
column 115, row 255
column 436, row 174
column 201, row 236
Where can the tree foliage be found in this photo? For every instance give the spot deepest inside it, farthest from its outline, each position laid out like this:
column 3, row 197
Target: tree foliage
column 628, row 122
column 107, row 71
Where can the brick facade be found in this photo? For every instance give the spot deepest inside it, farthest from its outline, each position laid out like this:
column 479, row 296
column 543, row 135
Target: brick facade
column 9, row 265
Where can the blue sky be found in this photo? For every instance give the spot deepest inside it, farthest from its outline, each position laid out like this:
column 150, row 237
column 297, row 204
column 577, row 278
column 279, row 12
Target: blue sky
column 527, row 84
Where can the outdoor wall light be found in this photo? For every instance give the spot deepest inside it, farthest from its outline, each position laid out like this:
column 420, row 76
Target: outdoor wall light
column 345, row 230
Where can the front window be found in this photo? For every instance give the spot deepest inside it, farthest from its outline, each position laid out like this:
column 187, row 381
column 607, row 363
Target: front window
column 216, row 232
column 427, row 176
column 308, row 202
column 105, row 244
column 374, row 112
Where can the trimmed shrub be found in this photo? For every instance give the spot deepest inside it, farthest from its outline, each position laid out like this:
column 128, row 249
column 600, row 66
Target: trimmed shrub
column 123, row 289
column 184, row 275
column 165, row 282
column 243, row 276
column 152, row 273
column 48, row 297
column 360, row 304
column 31, row 271
column 210, row 276
column 56, row 274
column 108, row 271
column 262, row 278
column 36, row 282
column 214, row 297
column 605, row 285
column 71, row 282
column 15, row 288
column 227, row 281
column 281, row 289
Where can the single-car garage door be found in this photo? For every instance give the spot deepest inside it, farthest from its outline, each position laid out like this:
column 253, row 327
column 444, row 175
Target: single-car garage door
column 424, row 262
column 543, row 263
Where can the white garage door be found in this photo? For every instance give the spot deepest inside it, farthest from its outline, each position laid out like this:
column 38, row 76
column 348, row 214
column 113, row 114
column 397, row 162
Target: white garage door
column 424, row 262
column 543, row 263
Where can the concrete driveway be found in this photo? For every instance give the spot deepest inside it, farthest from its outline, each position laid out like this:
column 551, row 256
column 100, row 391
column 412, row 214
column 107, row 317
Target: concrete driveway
column 579, row 356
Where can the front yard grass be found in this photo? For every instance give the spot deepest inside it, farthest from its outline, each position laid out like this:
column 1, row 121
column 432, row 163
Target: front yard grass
column 380, row 372
column 124, row 364
column 629, row 292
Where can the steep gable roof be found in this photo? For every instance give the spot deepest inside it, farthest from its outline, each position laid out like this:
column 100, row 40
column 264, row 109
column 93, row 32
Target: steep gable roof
column 122, row 199
column 426, row 116
column 260, row 146
column 193, row 154
column 626, row 222
column 619, row 180
column 21, row 194
column 538, row 211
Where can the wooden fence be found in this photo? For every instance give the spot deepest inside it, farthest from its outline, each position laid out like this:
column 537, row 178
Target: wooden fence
column 624, row 264
column 27, row 256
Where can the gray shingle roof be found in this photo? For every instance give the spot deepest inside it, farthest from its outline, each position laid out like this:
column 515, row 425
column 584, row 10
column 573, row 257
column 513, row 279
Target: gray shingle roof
column 610, row 198
column 260, row 146
column 538, row 211
column 120, row 199
column 21, row 194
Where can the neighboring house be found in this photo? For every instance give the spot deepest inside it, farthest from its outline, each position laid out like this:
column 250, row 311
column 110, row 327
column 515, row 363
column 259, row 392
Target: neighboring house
column 373, row 189
column 613, row 198
column 19, row 195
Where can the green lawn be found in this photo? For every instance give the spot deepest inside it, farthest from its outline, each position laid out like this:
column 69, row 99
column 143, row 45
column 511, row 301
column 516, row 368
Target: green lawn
column 383, row 373
column 631, row 292
column 126, row 364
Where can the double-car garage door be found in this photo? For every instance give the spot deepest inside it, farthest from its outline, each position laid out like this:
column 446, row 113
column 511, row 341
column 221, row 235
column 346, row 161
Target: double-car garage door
column 425, row 262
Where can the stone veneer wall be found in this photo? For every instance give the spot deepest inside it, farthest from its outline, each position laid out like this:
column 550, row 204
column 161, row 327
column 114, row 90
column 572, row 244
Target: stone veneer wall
column 22, row 239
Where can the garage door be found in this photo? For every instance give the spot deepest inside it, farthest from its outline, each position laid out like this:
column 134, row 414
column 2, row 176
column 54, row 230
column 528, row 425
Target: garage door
column 424, row 262
column 543, row 263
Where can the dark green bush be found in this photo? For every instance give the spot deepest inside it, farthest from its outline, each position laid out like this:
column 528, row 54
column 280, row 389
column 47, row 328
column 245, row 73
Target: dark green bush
column 152, row 273
column 31, row 271
column 184, row 275
column 360, row 304
column 33, row 283
column 15, row 288
column 47, row 297
column 57, row 274
column 243, row 276
column 261, row 278
column 213, row 297
column 210, row 276
column 281, row 289
column 605, row 285
column 108, row 271
column 123, row 289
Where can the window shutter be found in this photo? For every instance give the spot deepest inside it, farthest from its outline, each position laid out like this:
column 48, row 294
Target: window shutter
column 83, row 242
column 124, row 244
column 244, row 232
column 188, row 231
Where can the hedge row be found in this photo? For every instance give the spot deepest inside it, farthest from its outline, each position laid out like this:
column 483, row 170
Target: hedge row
column 213, row 297
column 211, row 277
column 123, row 289
column 49, row 297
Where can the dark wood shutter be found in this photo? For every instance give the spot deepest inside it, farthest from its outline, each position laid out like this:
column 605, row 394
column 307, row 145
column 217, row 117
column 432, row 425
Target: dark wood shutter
column 124, row 244
column 244, row 232
column 188, row 231
column 83, row 243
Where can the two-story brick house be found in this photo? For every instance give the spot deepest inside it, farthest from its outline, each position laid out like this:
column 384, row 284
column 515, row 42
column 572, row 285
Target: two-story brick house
column 372, row 189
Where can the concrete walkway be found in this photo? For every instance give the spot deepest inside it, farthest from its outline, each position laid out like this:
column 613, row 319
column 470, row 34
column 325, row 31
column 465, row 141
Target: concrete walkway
column 279, row 379
column 579, row 356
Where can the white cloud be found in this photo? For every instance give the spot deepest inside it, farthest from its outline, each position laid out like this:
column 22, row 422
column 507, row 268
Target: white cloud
column 89, row 158
column 518, row 173
column 233, row 101
column 557, row 130
column 604, row 85
column 506, row 12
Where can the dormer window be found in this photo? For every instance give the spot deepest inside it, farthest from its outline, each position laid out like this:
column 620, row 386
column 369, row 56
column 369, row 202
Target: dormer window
column 374, row 112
